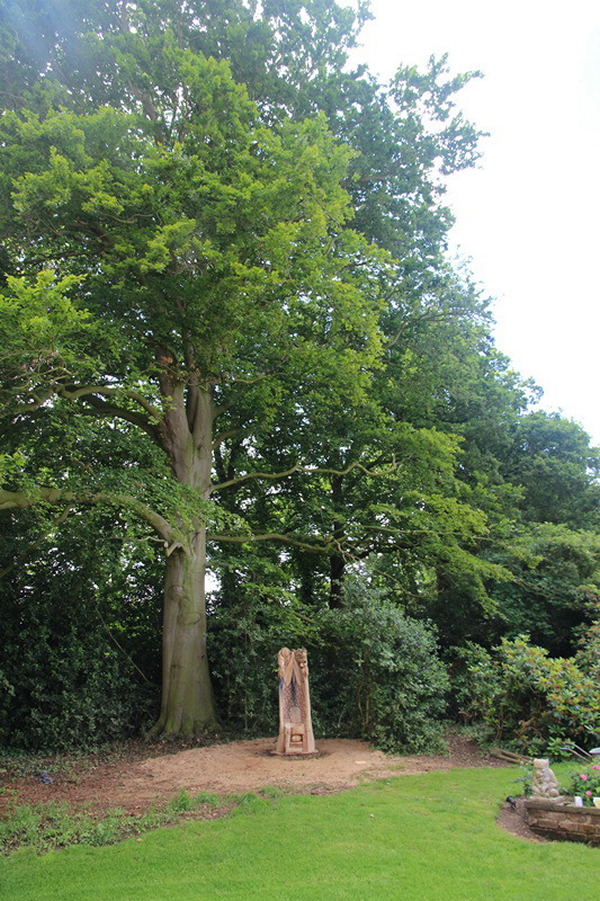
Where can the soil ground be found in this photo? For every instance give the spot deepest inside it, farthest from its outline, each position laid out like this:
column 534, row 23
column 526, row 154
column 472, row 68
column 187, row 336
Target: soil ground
column 143, row 776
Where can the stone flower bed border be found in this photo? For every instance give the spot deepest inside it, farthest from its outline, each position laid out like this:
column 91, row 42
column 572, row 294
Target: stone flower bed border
column 560, row 819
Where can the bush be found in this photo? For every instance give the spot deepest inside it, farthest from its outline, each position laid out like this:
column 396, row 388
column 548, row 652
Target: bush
column 69, row 695
column 243, row 641
column 475, row 684
column 78, row 630
column 527, row 699
column 587, row 655
column 375, row 674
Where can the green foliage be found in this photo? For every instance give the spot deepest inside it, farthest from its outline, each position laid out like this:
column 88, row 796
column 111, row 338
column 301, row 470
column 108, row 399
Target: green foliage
column 376, row 674
column 78, row 697
column 587, row 655
column 527, row 699
column 79, row 633
column 476, row 685
column 553, row 567
column 226, row 306
column 552, row 459
column 205, row 247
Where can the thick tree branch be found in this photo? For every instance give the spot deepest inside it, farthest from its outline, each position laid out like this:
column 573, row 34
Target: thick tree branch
column 223, row 436
column 93, row 394
column 88, row 391
column 275, row 536
column 309, row 470
column 112, row 411
column 21, row 500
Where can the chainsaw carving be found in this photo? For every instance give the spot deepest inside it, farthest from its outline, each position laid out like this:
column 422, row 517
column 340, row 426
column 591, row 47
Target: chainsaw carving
column 295, row 724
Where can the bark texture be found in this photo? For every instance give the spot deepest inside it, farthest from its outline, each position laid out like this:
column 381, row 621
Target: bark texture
column 187, row 705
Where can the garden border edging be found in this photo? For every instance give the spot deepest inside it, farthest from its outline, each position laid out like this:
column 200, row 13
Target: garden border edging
column 561, row 820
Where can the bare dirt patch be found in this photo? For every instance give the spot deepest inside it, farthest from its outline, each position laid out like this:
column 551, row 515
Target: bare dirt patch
column 144, row 775
column 513, row 818
column 148, row 776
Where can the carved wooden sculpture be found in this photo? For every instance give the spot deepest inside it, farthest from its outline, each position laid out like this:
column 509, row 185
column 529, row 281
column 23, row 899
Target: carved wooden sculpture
column 295, row 723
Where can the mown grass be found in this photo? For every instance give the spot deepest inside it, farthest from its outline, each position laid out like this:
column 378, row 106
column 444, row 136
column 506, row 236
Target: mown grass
column 417, row 838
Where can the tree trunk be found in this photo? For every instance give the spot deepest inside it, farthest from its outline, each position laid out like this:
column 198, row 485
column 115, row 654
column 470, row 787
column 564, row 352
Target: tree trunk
column 187, row 705
column 337, row 562
column 337, row 566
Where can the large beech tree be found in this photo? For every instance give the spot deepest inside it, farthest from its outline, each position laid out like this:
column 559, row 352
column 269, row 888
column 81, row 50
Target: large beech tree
column 173, row 271
column 188, row 192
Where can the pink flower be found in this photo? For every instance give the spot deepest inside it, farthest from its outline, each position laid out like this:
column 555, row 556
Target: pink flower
column 583, row 776
column 596, row 767
column 589, row 793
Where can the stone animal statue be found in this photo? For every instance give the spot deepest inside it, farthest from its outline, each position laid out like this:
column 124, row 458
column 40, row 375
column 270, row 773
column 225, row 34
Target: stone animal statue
column 544, row 783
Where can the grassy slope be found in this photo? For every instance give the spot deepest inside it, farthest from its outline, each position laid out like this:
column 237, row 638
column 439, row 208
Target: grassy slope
column 423, row 838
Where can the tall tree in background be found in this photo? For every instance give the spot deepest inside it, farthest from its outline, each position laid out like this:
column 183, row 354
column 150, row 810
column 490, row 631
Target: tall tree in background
column 552, row 459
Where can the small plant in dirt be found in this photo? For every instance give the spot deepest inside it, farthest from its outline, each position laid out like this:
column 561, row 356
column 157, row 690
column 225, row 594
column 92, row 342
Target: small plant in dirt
column 526, row 780
column 181, row 803
column 47, row 826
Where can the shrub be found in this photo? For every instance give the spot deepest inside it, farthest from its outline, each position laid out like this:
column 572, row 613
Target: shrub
column 587, row 655
column 74, row 642
column 70, row 695
column 475, row 680
column 528, row 699
column 376, row 674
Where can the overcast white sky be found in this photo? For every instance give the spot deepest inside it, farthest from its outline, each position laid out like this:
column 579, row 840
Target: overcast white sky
column 528, row 217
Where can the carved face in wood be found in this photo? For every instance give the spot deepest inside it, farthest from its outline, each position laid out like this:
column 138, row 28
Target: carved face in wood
column 302, row 661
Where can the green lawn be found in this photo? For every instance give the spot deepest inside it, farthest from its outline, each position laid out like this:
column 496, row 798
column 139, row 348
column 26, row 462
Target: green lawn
column 420, row 838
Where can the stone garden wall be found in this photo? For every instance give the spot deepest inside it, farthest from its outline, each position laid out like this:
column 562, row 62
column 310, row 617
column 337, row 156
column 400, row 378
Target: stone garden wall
column 562, row 820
